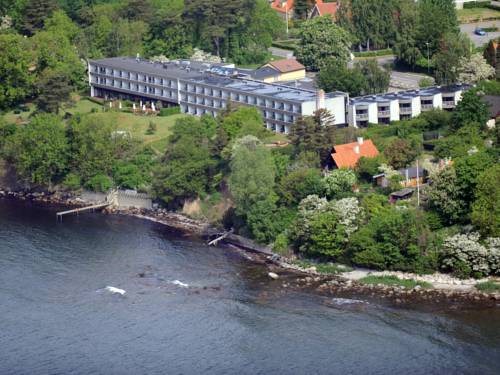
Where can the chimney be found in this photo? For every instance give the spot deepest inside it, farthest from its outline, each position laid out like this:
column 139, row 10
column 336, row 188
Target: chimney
column 360, row 141
column 320, row 99
column 356, row 149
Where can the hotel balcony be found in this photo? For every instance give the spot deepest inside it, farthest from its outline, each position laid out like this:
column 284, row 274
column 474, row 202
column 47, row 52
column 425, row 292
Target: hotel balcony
column 448, row 104
column 405, row 110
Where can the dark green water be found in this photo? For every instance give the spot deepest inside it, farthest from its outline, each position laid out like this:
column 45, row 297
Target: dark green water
column 55, row 317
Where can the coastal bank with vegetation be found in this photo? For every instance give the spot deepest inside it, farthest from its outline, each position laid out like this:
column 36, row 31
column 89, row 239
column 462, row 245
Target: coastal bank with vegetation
column 282, row 191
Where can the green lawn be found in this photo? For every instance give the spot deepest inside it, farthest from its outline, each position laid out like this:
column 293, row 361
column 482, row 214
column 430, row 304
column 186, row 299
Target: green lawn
column 82, row 106
column 13, row 118
column 137, row 126
column 276, row 137
column 489, row 287
column 477, row 14
column 394, row 281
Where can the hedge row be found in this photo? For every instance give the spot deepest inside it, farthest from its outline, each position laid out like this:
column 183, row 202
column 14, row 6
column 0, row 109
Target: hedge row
column 378, row 53
column 169, row 111
column 477, row 4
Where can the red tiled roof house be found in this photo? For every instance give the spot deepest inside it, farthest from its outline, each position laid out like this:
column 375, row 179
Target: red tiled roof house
column 321, row 9
column 347, row 155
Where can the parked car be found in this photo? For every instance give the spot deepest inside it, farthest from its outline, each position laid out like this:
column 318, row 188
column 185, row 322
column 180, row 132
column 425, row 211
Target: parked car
column 480, row 32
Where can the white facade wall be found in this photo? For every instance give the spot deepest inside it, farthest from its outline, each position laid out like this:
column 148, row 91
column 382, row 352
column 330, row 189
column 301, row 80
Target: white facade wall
column 373, row 113
column 416, row 107
column 394, row 107
column 308, row 108
column 337, row 106
column 438, row 101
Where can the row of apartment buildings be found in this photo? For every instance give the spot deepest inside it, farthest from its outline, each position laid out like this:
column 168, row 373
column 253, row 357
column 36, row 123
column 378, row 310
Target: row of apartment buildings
column 200, row 88
column 403, row 105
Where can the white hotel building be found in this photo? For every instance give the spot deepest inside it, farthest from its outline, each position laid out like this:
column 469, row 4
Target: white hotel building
column 201, row 88
column 403, row 105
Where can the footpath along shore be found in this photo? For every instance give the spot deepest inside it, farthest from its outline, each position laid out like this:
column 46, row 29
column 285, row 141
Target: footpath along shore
column 445, row 289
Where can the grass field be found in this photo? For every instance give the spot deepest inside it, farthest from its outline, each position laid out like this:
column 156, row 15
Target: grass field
column 14, row 118
column 489, row 287
column 394, row 281
column 477, row 14
column 137, row 126
column 82, row 106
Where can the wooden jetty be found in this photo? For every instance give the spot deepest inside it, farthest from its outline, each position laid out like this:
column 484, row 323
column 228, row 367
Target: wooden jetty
column 92, row 208
column 220, row 238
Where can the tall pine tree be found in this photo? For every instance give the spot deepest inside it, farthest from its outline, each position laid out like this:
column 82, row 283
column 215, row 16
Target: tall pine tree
column 34, row 15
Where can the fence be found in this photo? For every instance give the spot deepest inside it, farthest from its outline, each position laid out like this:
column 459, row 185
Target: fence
column 119, row 198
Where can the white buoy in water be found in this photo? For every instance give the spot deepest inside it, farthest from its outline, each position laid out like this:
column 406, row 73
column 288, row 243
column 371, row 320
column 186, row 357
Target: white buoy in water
column 180, row 283
column 114, row 290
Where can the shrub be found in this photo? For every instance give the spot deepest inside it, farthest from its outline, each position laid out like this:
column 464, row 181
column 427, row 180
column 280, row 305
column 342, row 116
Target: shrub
column 425, row 82
column 151, row 128
column 298, row 184
column 72, row 181
column 369, row 167
column 465, row 256
column 169, row 111
column 100, row 183
column 281, row 244
column 392, row 239
column 378, row 53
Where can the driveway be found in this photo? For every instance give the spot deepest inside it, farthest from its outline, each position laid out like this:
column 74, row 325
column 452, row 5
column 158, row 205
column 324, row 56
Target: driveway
column 468, row 28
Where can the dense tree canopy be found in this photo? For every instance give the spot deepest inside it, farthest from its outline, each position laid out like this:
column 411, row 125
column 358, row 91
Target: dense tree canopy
column 486, row 206
column 16, row 79
column 252, row 175
column 321, row 40
column 39, row 151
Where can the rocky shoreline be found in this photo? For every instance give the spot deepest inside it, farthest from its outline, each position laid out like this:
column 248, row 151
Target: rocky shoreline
column 449, row 292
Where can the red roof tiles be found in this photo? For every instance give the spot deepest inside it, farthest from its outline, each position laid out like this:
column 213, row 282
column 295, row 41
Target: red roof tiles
column 345, row 156
column 326, row 8
column 287, row 65
column 282, row 5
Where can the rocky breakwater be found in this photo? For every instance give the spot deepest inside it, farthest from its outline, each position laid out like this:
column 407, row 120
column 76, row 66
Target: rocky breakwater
column 170, row 219
column 55, row 198
column 446, row 292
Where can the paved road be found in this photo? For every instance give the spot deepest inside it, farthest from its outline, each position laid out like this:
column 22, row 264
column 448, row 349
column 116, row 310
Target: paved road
column 405, row 80
column 468, row 28
column 399, row 80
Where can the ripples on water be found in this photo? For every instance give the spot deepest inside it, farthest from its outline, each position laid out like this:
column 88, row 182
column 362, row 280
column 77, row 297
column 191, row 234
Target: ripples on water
column 190, row 309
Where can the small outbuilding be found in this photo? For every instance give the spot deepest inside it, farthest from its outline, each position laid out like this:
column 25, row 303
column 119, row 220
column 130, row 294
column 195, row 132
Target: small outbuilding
column 399, row 195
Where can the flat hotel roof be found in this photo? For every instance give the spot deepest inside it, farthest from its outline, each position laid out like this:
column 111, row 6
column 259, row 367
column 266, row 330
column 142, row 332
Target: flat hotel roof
column 218, row 75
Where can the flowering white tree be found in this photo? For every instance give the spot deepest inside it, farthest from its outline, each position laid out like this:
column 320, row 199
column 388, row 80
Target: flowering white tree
column 474, row 69
column 324, row 227
column 339, row 181
column 465, row 250
column 200, row 55
column 349, row 213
